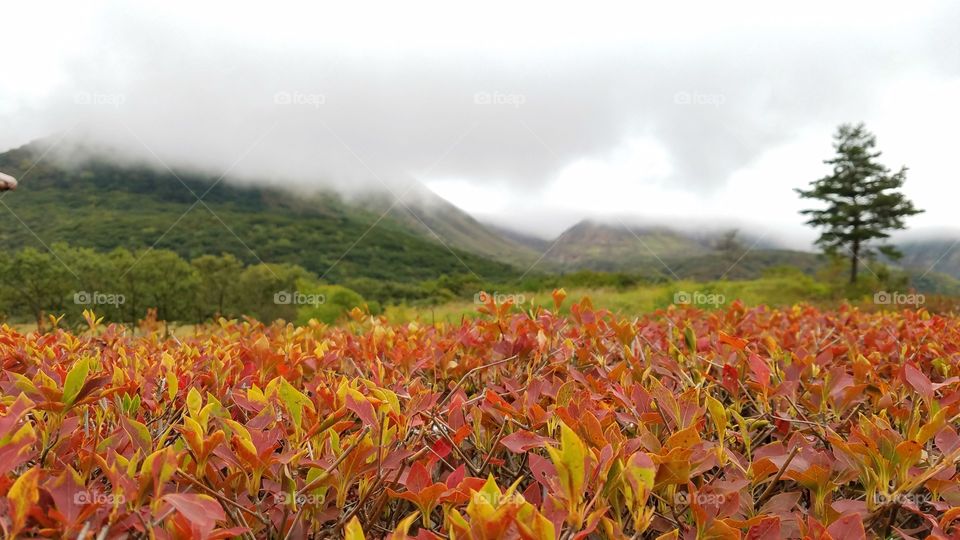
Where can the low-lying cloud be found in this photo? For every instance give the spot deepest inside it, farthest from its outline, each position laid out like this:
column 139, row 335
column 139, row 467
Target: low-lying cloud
column 504, row 109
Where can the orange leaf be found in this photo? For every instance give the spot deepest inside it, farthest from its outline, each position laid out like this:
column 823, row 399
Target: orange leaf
column 735, row 342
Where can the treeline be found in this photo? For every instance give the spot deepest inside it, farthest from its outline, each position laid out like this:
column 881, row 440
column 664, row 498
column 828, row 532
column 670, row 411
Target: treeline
column 122, row 285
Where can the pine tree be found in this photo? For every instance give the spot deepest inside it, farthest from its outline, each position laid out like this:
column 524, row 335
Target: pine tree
column 862, row 199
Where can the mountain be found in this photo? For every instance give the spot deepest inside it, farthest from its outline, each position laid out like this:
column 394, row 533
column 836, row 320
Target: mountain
column 664, row 253
column 98, row 203
column 597, row 246
column 537, row 244
column 429, row 215
column 938, row 254
column 933, row 266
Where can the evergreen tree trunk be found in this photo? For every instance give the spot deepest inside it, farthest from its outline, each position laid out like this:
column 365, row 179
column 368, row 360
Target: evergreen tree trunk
column 854, row 262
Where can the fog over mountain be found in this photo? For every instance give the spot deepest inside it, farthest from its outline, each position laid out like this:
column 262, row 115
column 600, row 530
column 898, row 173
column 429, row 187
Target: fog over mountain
column 530, row 116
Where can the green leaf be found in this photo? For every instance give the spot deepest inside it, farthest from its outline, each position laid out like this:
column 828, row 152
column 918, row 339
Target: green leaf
column 641, row 470
column 75, row 379
column 691, row 338
column 294, row 400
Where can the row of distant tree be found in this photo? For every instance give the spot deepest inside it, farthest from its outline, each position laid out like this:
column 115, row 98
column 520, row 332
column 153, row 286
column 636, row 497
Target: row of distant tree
column 122, row 286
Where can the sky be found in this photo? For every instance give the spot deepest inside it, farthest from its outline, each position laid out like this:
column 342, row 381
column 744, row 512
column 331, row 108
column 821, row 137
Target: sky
column 530, row 115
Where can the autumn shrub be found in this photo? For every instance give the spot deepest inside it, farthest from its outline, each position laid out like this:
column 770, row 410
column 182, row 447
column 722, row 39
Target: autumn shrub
column 736, row 422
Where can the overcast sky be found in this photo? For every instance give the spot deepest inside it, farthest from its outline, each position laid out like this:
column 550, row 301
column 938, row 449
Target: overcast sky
column 530, row 114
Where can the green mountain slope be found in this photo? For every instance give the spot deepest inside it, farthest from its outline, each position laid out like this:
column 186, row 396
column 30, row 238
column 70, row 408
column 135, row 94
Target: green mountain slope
column 596, row 246
column 665, row 253
column 427, row 214
column 103, row 205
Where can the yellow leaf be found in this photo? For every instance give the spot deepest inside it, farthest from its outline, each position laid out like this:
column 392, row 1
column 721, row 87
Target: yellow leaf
column 685, row 438
column 568, row 460
column 23, row 495
column 403, row 528
column 932, row 427
column 254, row 393
column 718, row 414
column 353, row 530
column 173, row 385
column 194, row 402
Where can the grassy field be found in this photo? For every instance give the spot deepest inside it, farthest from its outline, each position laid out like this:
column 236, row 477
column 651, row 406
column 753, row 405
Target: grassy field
column 783, row 290
column 774, row 291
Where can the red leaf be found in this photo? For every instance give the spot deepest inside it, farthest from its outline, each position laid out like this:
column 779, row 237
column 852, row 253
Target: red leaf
column 767, row 529
column 201, row 510
column 67, row 493
column 456, row 476
column 760, row 370
column 364, row 410
column 418, row 479
column 918, row 381
column 947, row 440
column 521, row 441
column 847, row 527
column 730, row 376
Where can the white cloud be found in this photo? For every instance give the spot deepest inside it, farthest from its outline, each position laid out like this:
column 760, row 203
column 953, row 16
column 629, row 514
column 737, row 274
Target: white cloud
column 535, row 114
